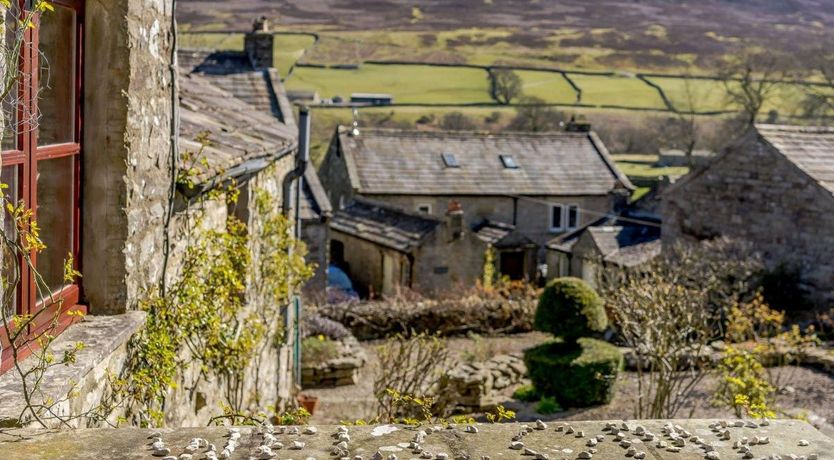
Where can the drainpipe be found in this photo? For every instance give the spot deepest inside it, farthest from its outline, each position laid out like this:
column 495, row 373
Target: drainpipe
column 297, row 176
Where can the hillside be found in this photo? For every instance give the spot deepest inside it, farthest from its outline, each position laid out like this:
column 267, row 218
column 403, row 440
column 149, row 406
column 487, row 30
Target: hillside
column 649, row 34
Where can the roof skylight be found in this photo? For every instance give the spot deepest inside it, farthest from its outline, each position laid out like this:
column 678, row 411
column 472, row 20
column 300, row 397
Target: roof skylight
column 508, row 161
column 449, row 160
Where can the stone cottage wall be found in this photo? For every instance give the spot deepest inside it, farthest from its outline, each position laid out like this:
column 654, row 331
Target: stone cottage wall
column 753, row 193
column 443, row 264
column 316, row 234
column 127, row 170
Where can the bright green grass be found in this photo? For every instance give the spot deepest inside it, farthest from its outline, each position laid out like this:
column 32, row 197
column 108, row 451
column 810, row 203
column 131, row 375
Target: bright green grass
column 288, row 48
column 648, row 158
column 408, row 84
column 549, row 86
column 618, row 91
column 640, row 192
column 648, row 170
column 705, row 95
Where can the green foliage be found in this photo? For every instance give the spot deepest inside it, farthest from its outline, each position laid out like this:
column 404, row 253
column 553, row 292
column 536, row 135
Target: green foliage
column 743, row 386
column 548, row 405
column 526, row 393
column 575, row 376
column 570, row 308
column 490, row 272
column 500, row 414
column 222, row 307
column 318, row 349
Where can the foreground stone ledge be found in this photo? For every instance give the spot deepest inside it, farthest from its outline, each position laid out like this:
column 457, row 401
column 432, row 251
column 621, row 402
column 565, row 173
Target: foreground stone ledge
column 785, row 438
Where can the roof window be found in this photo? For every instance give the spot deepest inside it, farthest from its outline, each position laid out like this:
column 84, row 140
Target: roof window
column 508, row 161
column 449, row 160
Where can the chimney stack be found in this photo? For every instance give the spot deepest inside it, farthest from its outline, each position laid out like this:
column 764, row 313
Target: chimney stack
column 259, row 43
column 454, row 220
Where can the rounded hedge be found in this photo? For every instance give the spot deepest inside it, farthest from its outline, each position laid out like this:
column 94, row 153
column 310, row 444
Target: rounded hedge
column 576, row 376
column 570, row 308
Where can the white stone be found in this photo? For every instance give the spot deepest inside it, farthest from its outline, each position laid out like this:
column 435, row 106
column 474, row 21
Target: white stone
column 625, row 444
column 585, row 455
column 803, row 442
column 292, row 430
column 712, row 456
column 442, row 456
column 631, row 451
column 471, row 429
column 377, row 456
column 426, row 455
column 592, row 442
column 529, row 451
column 311, row 430
column 516, row 445
column 163, row 452
column 297, row 445
column 640, row 455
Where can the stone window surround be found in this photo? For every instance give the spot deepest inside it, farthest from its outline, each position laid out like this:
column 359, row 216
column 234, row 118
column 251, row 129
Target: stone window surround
column 564, row 219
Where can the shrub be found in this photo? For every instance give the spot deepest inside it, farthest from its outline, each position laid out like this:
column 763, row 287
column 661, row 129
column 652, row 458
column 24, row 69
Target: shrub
column 315, row 324
column 575, row 376
column 318, row 349
column 548, row 406
column 526, row 393
column 570, row 308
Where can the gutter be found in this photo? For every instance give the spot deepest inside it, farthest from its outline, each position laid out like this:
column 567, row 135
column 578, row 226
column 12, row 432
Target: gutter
column 302, row 158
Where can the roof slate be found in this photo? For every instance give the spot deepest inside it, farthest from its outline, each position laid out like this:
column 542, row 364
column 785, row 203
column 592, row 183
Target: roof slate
column 315, row 204
column 384, row 225
column 628, row 245
column 811, row 149
column 386, row 161
column 237, row 133
column 501, row 235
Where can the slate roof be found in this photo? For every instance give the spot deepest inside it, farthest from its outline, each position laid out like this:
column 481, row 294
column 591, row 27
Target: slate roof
column 315, row 205
column 383, row 225
column 626, row 246
column 501, row 235
column 241, row 138
column 386, row 161
column 232, row 71
column 811, row 149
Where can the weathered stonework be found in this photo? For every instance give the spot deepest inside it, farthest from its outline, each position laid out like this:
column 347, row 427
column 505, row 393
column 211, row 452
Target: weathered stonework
column 339, row 371
column 598, row 440
column 474, row 387
column 752, row 192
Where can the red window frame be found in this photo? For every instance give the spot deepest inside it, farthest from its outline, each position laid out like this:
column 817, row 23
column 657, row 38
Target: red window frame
column 27, row 157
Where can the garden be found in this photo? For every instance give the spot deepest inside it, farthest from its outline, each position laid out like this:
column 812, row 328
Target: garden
column 696, row 334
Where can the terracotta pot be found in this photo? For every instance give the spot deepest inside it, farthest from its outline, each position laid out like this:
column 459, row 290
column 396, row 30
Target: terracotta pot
column 308, row 402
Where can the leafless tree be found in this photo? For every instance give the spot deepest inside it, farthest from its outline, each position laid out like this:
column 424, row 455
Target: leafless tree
column 819, row 98
column 669, row 311
column 457, row 121
column 533, row 115
column 684, row 127
column 751, row 80
column 506, row 85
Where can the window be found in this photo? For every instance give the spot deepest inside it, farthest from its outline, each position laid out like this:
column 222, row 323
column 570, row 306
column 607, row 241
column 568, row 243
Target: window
column 556, row 218
column 564, row 217
column 449, row 160
column 508, row 161
column 41, row 157
column 573, row 217
column 424, row 208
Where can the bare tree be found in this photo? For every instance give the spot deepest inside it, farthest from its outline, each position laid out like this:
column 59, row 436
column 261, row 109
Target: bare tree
column 457, row 121
column 506, row 85
column 669, row 311
column 533, row 115
column 684, row 127
column 751, row 81
column 819, row 98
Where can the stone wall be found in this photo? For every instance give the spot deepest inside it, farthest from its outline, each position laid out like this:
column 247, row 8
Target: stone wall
column 340, row 371
column 474, row 387
column 753, row 193
column 600, row 440
column 316, row 234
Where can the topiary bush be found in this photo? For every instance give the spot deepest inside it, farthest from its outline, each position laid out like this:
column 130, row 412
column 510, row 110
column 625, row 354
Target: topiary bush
column 576, row 375
column 577, row 371
column 569, row 308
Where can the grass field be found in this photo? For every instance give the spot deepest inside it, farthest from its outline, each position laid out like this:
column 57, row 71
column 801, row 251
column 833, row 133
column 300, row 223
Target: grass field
column 408, row 84
column 618, row 91
column 703, row 95
column 549, row 86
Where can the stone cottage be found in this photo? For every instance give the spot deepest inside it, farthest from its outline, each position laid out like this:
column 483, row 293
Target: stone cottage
column 774, row 187
column 250, row 75
column 106, row 192
column 608, row 243
column 516, row 191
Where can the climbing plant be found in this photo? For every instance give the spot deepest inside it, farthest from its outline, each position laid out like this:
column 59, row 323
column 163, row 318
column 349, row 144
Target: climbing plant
column 223, row 307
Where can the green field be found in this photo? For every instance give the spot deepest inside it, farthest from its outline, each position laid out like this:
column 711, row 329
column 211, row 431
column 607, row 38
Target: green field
column 618, row 91
column 425, row 84
column 407, row 83
column 548, row 86
column 689, row 94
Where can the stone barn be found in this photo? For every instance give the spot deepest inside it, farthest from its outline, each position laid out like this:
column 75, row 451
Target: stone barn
column 774, row 187
column 108, row 193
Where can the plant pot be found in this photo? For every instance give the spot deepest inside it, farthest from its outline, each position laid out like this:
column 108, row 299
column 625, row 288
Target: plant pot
column 308, row 402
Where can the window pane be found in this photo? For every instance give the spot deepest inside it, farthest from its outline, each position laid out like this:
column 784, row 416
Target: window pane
column 55, row 218
column 9, row 176
column 556, row 217
column 57, row 85
column 573, row 216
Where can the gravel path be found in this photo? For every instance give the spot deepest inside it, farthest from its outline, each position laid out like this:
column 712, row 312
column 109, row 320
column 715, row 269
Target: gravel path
column 808, row 393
